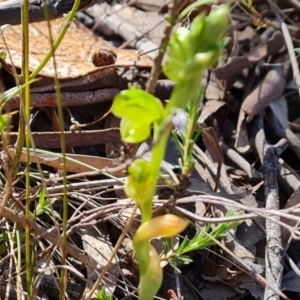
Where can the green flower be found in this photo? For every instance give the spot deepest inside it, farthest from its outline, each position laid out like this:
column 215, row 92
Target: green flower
column 138, row 111
column 140, row 182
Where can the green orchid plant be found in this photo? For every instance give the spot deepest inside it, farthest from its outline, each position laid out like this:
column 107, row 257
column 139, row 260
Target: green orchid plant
column 190, row 53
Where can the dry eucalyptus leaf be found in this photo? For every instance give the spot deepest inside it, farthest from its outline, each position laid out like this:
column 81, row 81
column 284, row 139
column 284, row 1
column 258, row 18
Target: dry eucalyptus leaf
column 269, row 89
column 236, row 64
column 97, row 246
column 73, row 162
column 242, row 143
column 209, row 108
column 71, row 61
column 211, row 143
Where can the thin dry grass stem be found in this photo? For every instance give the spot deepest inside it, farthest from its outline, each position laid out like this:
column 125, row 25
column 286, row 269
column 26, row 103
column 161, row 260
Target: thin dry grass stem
column 14, row 263
column 156, row 69
column 18, row 262
column 100, row 212
column 49, row 235
column 76, row 125
column 10, row 277
column 87, row 185
column 292, row 235
column 96, row 217
column 256, row 212
column 295, row 3
column 289, row 44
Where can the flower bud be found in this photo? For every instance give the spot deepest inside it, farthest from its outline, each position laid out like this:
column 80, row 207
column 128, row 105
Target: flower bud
column 217, row 22
column 208, row 31
column 166, row 226
column 207, row 59
column 179, row 52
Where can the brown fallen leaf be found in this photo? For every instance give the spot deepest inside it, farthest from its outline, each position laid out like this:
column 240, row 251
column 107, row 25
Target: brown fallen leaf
column 269, row 88
column 69, row 99
column 236, row 64
column 73, row 139
column 209, row 108
column 75, row 163
column 242, row 143
column 214, row 150
column 74, row 54
column 96, row 245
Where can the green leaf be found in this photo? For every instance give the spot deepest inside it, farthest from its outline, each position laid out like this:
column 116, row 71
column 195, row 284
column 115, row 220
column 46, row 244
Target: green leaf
column 179, row 47
column 101, row 295
column 4, row 237
column 190, row 51
column 9, row 94
column 3, row 121
column 138, row 110
column 209, row 58
column 42, row 199
column 297, row 50
column 43, row 203
column 3, row 55
column 217, row 22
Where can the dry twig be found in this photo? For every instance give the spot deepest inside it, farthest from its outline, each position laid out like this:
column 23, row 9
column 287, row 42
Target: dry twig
column 268, row 155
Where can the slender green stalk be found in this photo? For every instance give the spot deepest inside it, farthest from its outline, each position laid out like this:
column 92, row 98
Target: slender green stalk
column 69, row 19
column 189, row 136
column 26, row 117
column 63, row 240
column 160, row 139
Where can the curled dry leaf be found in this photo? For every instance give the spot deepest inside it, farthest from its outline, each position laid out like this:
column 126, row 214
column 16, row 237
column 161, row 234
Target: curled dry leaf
column 209, row 108
column 213, row 148
column 236, row 64
column 242, row 143
column 269, row 88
